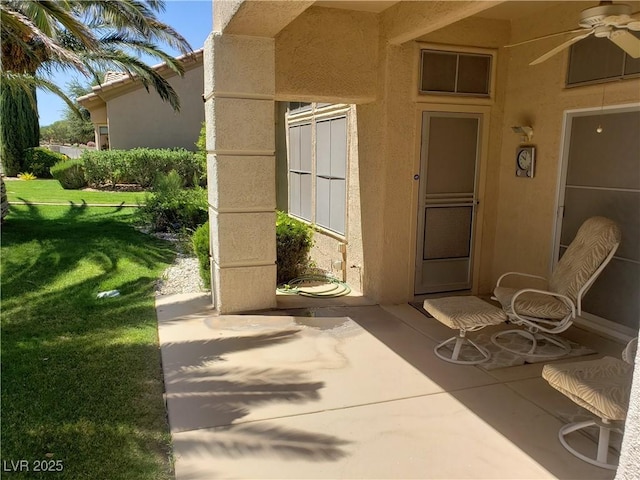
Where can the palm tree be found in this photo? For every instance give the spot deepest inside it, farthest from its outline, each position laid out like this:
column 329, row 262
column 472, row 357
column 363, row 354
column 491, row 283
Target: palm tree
column 90, row 36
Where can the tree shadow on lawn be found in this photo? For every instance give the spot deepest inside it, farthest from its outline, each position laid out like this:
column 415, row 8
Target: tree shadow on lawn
column 81, row 376
column 50, row 248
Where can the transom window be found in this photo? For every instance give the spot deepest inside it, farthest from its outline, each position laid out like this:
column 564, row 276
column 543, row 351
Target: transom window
column 595, row 60
column 455, row 73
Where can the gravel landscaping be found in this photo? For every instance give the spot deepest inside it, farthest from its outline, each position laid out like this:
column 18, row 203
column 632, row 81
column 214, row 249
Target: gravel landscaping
column 183, row 275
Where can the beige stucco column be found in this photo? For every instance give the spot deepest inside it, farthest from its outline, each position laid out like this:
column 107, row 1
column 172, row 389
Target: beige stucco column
column 239, row 111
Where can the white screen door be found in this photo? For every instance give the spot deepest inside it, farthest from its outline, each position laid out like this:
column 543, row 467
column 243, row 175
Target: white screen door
column 447, row 201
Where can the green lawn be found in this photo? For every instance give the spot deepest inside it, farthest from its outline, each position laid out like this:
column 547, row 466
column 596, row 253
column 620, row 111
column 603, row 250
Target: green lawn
column 51, row 191
column 81, row 376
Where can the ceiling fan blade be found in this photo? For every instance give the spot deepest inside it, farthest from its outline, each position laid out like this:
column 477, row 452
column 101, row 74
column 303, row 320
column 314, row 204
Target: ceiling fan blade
column 626, row 41
column 630, row 22
column 634, row 24
column 545, row 36
column 560, row 47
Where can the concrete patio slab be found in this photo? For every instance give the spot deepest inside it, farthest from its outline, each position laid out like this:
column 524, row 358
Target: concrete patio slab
column 345, row 392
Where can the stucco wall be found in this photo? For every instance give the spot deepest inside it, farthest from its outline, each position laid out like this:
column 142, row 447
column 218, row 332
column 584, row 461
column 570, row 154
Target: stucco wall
column 343, row 56
column 393, row 149
column 535, row 95
column 328, row 55
column 141, row 119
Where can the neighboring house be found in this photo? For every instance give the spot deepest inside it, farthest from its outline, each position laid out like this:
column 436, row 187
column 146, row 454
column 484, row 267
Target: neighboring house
column 126, row 115
column 399, row 146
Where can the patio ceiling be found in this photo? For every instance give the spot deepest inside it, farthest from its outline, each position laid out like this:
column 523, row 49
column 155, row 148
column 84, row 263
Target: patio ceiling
column 358, row 5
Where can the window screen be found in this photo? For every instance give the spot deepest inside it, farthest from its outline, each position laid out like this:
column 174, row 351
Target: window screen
column 598, row 59
column 300, row 171
column 455, row 73
column 331, row 167
column 603, row 178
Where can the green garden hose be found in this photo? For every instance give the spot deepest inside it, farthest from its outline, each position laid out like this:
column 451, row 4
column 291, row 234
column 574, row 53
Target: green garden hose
column 336, row 288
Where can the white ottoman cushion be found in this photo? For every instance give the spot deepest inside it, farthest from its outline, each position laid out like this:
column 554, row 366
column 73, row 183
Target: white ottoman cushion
column 464, row 312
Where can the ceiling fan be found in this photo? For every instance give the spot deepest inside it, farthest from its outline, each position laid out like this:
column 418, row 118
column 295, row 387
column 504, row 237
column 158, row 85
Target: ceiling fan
column 607, row 20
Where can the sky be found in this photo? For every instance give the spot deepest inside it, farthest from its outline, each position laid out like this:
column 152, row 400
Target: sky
column 191, row 18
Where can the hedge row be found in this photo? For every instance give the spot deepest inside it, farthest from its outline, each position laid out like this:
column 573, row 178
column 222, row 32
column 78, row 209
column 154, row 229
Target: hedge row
column 69, row 173
column 141, row 166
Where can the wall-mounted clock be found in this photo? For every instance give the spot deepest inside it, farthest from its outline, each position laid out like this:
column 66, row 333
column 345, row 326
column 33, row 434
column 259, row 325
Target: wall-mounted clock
column 525, row 161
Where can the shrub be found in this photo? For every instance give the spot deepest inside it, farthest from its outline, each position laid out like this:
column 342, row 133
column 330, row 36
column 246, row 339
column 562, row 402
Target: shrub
column 171, row 207
column 294, row 240
column 141, row 165
column 39, row 160
column 200, row 241
column 70, row 174
column 107, row 167
column 201, row 153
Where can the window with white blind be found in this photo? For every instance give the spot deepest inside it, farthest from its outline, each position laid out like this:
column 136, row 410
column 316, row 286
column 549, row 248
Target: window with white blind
column 331, row 172
column 300, row 174
column 318, row 172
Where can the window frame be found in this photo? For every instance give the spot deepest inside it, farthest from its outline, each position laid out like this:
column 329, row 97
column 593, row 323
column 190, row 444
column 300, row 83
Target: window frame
column 458, row 53
column 320, row 112
column 331, row 177
column 299, row 172
column 621, row 76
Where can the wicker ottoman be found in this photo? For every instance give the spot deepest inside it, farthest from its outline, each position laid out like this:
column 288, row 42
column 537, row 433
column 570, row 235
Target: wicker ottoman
column 465, row 314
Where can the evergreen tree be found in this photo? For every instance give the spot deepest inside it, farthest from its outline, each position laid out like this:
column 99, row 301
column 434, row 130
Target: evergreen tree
column 18, row 129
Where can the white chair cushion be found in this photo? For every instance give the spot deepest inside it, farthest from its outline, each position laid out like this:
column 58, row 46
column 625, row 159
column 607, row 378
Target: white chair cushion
column 464, row 312
column 532, row 304
column 601, row 386
column 593, row 242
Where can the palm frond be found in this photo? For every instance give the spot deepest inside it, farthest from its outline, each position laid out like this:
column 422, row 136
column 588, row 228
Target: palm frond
column 27, row 83
column 49, row 16
column 121, row 42
column 136, row 18
column 150, row 78
column 17, row 27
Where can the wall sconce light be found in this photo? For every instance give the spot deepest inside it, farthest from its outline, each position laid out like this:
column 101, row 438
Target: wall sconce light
column 526, row 132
